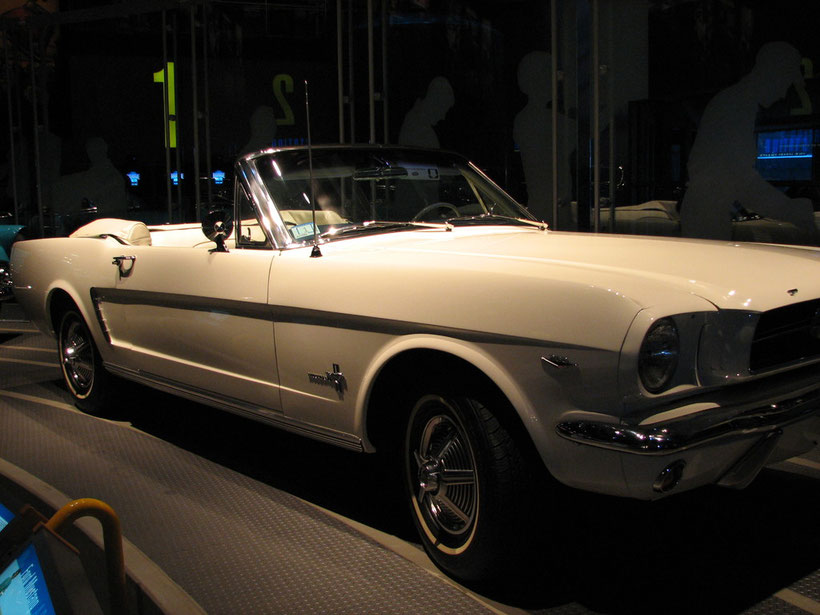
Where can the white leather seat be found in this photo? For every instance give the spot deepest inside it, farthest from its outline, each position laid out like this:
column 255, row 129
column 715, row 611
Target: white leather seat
column 133, row 232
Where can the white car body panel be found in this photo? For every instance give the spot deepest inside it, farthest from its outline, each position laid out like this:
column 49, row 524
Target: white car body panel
column 208, row 347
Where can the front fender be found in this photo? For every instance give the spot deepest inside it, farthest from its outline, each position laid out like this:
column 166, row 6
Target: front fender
column 492, row 362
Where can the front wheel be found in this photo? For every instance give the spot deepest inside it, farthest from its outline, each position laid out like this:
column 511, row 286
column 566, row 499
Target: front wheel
column 466, row 484
column 83, row 371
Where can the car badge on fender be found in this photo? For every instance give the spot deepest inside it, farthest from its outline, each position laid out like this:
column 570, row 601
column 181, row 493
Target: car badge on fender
column 334, row 379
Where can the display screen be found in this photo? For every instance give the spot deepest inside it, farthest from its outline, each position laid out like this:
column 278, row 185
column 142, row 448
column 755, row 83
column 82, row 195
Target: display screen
column 785, row 155
column 5, row 516
column 23, row 589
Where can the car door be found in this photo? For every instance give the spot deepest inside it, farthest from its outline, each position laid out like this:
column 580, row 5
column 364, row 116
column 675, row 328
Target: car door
column 195, row 320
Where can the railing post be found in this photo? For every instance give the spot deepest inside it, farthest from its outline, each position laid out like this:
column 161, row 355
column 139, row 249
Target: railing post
column 112, row 542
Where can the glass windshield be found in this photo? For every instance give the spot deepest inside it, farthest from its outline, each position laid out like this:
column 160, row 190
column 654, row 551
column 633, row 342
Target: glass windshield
column 379, row 190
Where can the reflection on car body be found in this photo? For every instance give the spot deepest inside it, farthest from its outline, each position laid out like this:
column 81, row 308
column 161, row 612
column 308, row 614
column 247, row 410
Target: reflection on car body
column 396, row 300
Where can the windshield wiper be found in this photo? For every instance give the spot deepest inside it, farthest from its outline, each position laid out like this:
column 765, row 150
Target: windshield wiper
column 488, row 218
column 373, row 226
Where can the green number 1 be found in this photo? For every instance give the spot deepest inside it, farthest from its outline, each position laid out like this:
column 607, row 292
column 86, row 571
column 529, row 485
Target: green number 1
column 170, row 83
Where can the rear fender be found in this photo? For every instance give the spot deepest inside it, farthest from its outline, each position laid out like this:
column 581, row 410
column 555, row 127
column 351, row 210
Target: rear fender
column 47, row 271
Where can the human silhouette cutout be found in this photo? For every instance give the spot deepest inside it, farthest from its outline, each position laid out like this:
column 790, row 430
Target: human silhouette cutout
column 532, row 131
column 722, row 174
column 263, row 130
column 101, row 186
column 418, row 126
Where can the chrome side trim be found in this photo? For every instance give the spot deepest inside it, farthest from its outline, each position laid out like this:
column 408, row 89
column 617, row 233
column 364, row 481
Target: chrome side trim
column 304, row 316
column 679, row 435
column 236, row 406
column 95, row 301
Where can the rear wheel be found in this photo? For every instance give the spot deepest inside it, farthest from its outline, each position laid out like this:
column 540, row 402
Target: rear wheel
column 466, row 483
column 83, row 372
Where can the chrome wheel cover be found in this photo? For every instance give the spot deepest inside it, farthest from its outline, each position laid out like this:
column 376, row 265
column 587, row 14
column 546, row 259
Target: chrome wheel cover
column 77, row 357
column 442, row 472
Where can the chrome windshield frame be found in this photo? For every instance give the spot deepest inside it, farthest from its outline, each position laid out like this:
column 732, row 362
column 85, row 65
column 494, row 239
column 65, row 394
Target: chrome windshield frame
column 266, row 211
column 270, row 218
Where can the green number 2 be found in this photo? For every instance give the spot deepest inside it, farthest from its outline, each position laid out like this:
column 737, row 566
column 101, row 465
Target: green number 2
column 283, row 84
column 805, row 107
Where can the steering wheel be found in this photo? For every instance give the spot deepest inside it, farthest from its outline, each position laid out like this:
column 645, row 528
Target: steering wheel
column 433, row 206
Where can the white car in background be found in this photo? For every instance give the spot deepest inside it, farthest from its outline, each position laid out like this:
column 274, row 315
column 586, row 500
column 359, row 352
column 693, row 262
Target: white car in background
column 396, row 300
column 662, row 218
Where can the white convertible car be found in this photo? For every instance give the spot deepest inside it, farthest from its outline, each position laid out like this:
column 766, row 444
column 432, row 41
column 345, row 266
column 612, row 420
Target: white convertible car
column 395, row 299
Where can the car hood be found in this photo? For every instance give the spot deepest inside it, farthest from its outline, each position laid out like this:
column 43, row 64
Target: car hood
column 730, row 275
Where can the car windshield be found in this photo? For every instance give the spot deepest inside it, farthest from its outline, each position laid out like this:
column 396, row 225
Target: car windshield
column 369, row 190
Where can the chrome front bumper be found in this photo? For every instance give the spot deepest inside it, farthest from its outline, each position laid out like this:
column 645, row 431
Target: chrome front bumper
column 726, row 444
column 679, row 435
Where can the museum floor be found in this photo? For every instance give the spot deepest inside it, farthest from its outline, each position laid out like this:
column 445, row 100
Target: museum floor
column 246, row 519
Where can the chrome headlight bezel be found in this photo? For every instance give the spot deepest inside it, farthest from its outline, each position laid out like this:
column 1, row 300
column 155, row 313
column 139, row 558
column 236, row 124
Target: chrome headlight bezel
column 659, row 355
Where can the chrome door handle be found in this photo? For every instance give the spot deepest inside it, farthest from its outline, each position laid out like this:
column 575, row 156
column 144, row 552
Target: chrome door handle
column 125, row 270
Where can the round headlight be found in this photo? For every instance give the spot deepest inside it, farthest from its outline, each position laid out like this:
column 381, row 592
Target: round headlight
column 659, row 354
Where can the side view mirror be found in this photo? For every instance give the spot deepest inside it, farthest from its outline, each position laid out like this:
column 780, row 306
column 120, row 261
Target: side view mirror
column 217, row 225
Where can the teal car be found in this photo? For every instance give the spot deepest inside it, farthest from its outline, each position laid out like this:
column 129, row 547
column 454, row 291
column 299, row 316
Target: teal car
column 9, row 233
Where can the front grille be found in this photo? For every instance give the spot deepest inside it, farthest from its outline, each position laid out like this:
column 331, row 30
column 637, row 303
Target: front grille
column 786, row 335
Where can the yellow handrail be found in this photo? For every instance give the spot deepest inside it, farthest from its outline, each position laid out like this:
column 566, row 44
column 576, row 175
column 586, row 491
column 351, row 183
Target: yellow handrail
column 112, row 541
